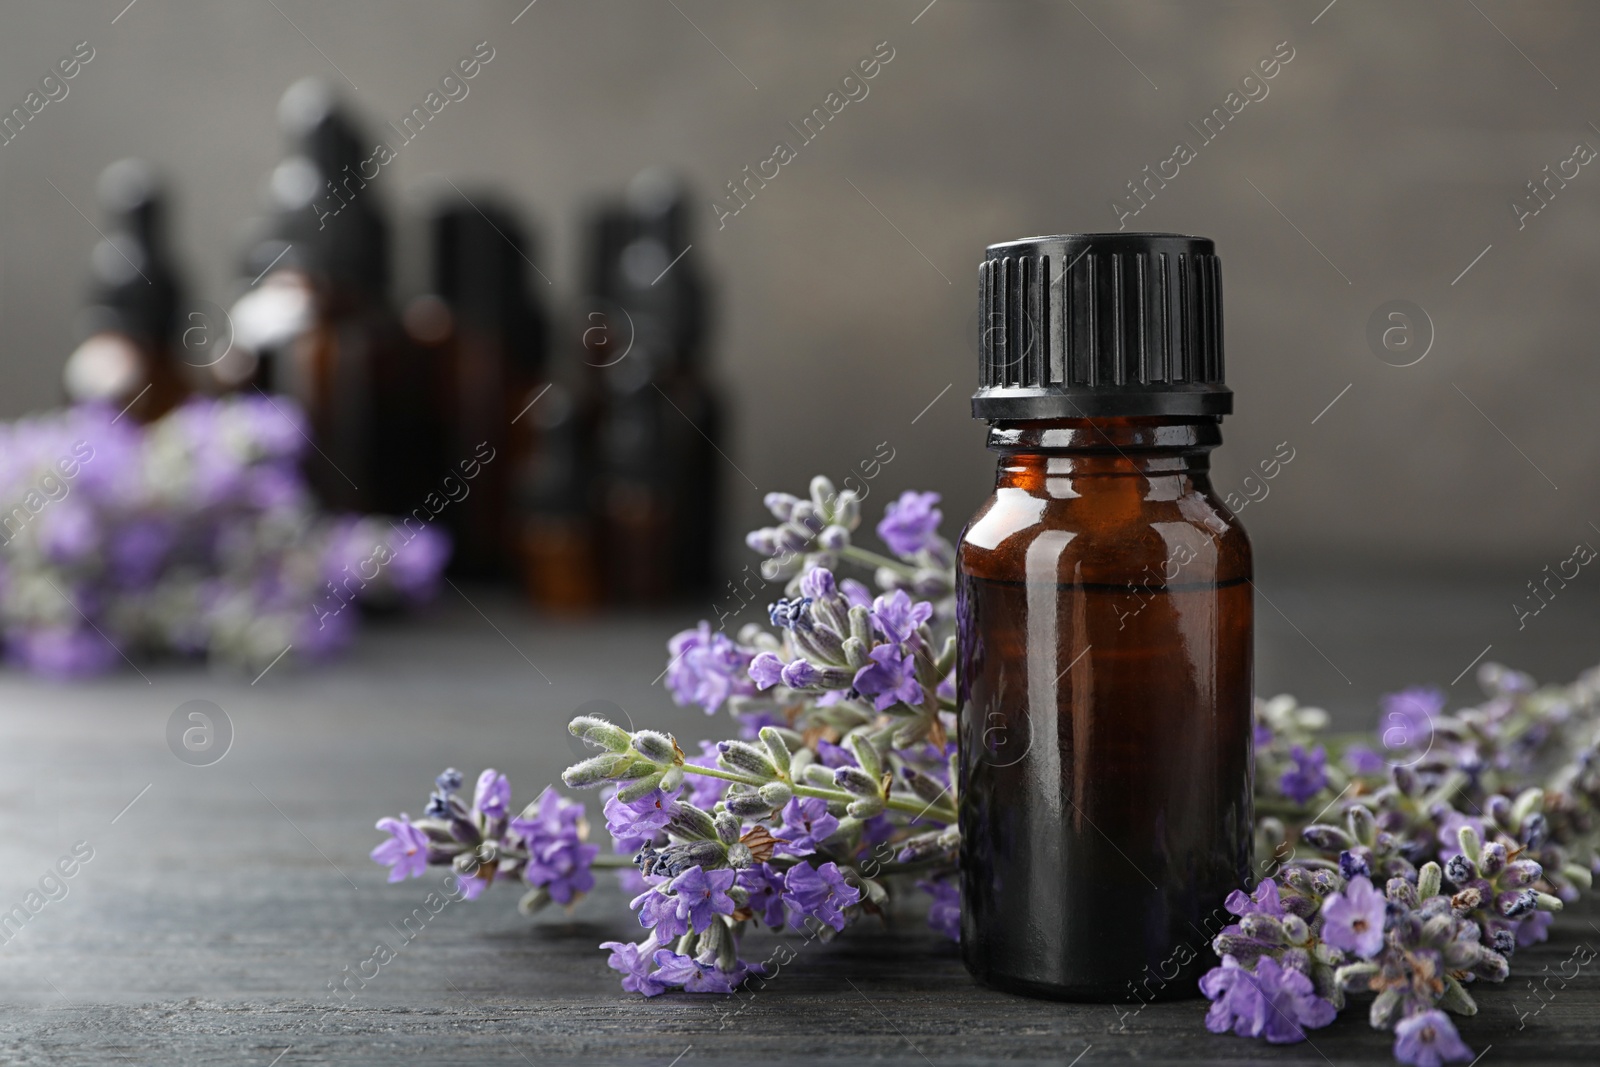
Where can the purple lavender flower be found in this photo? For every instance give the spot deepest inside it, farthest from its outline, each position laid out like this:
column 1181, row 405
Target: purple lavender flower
column 695, row 976
column 659, row 912
column 1264, row 901
column 639, row 820
column 406, row 851
column 765, row 887
column 1408, row 717
column 911, row 523
column 1429, row 1039
column 835, row 756
column 891, row 678
column 897, row 616
column 703, row 895
column 1307, row 777
column 944, row 914
column 1534, row 928
column 1363, row 760
column 636, row 963
column 493, row 794
column 558, row 859
column 1273, row 1002
column 820, row 893
column 766, row 670
column 800, row 674
column 1353, row 920
column 64, row 652
column 707, row 668
column 806, row 824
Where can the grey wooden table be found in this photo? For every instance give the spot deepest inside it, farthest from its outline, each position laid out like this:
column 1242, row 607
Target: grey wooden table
column 221, row 901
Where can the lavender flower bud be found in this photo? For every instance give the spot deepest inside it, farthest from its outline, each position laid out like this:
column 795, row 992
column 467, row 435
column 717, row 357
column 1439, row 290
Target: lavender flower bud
column 1355, row 977
column 1498, row 809
column 1296, row 959
column 866, row 754
column 763, row 542
column 1535, row 829
column 1242, row 948
column 727, row 826
column 817, row 775
column 1503, row 942
column 595, row 731
column 672, row 779
column 1471, row 844
column 833, row 539
column 1263, row 928
column 856, row 782
column 656, row 747
column 449, row 781
column 593, row 771
column 1295, row 930
column 1461, row 955
column 1492, row 966
column 1546, row 902
column 690, row 822
column 1493, row 860
column 777, row 748
column 1326, row 838
column 748, row 805
column 792, row 537
column 925, row 786
column 776, row 794
column 847, row 510
column 781, row 505
column 919, row 847
column 1385, row 1009
column 806, row 516
column 1517, row 903
column 799, row 674
column 1353, row 864
column 743, row 756
column 640, row 788
column 1363, row 827
column 866, row 807
column 1460, row 870
column 1467, row 900
column 1400, row 891
column 1428, row 880
column 855, row 653
column 822, row 493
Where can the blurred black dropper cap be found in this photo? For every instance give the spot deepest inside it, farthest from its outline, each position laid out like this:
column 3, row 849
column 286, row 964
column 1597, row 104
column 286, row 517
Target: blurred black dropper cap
column 1101, row 324
column 133, row 287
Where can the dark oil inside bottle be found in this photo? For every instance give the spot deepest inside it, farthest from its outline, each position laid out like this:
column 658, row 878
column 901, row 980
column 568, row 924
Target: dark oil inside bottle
column 1105, row 690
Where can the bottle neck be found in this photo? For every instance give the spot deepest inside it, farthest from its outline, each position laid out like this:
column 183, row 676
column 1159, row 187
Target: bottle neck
column 1149, row 447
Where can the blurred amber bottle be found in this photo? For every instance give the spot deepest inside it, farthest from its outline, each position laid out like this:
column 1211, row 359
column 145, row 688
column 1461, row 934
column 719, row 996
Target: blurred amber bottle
column 485, row 336
column 315, row 324
column 127, row 358
column 660, row 420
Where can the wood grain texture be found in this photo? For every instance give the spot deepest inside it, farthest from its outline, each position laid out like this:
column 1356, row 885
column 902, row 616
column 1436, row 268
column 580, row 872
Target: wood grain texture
column 217, row 908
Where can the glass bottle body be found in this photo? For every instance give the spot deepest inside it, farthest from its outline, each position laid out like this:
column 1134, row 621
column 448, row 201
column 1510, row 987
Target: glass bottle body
column 1105, row 612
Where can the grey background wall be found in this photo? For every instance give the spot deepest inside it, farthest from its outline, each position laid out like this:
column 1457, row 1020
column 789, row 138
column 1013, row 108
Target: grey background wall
column 1381, row 164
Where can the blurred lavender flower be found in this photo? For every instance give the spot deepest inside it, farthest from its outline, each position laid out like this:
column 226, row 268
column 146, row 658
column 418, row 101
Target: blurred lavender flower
column 1429, row 1039
column 911, row 524
column 1272, row 1002
column 707, row 668
column 406, row 851
column 1307, row 776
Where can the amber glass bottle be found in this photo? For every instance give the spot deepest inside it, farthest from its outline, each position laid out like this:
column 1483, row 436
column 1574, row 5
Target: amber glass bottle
column 128, row 358
column 1104, row 605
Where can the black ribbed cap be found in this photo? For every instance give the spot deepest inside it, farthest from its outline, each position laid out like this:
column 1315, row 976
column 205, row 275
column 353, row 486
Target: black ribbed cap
column 1100, row 324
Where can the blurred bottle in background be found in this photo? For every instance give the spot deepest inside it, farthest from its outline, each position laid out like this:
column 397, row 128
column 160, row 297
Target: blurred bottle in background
column 316, row 319
column 660, row 420
column 485, row 335
column 127, row 358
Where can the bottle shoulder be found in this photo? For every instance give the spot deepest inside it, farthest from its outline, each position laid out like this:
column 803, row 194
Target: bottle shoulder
column 1105, row 537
